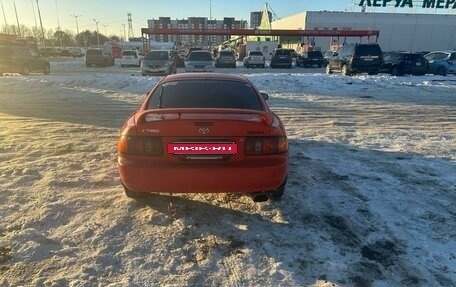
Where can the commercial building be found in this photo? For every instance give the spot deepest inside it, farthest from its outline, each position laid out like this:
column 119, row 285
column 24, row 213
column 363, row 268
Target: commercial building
column 195, row 23
column 256, row 18
column 398, row 31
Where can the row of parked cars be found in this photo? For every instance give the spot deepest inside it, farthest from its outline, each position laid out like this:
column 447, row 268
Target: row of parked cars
column 352, row 59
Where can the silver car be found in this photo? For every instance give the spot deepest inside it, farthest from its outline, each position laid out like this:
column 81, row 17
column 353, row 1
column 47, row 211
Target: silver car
column 158, row 62
column 254, row 59
column 199, row 61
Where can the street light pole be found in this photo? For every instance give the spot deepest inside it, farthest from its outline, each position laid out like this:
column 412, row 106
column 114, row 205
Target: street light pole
column 98, row 33
column 42, row 30
column 104, row 25
column 124, row 33
column 77, row 26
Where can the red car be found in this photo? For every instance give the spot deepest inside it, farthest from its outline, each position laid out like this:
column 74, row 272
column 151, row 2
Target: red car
column 204, row 133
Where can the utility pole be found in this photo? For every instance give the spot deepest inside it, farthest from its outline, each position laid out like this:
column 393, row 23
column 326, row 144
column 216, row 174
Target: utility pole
column 4, row 17
column 42, row 30
column 58, row 24
column 98, row 33
column 17, row 19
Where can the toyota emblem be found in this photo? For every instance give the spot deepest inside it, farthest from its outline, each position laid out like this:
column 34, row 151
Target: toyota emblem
column 203, row 131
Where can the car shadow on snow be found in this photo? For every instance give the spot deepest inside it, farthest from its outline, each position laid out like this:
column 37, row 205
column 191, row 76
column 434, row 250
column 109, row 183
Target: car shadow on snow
column 349, row 216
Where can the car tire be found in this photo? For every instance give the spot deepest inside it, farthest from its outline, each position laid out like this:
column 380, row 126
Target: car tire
column 344, row 70
column 440, row 71
column 262, row 66
column 130, row 193
column 277, row 194
column 47, row 70
column 25, row 70
column 328, row 69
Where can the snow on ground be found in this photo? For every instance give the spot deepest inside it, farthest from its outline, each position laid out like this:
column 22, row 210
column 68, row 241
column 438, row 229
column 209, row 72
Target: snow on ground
column 370, row 199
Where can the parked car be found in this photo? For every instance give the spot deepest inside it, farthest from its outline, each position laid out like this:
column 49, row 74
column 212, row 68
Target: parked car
column 199, row 61
column 310, row 59
column 23, row 60
column 254, row 59
column 99, row 57
column 204, row 133
column 49, row 52
column 77, row 52
column 65, row 53
column 130, row 58
column 225, row 58
column 442, row 62
column 158, row 62
column 400, row 63
column 281, row 58
column 352, row 59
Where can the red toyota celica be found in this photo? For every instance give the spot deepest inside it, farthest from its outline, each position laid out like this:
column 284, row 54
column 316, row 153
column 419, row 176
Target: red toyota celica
column 204, row 133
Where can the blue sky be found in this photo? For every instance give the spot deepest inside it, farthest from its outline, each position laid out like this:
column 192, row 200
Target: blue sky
column 113, row 13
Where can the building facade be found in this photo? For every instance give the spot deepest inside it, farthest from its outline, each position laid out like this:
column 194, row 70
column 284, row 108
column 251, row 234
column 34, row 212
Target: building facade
column 255, row 18
column 398, row 31
column 195, row 23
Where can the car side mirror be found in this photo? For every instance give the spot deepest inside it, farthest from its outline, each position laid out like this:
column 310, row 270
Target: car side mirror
column 265, row 96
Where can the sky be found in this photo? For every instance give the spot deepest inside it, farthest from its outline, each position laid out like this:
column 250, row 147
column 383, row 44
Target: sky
column 111, row 14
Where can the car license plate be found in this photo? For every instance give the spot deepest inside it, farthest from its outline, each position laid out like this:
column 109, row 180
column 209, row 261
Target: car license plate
column 202, row 148
column 418, row 63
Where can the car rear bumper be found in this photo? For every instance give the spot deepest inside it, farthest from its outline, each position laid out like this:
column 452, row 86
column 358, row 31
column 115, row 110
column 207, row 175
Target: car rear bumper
column 262, row 173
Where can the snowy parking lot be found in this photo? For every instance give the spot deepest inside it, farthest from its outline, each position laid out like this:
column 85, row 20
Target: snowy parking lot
column 370, row 199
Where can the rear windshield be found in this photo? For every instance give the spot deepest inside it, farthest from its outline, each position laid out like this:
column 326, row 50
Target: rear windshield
column 255, row 53
column 200, row 56
column 129, row 53
column 226, row 53
column 314, row 54
column 283, row 52
column 365, row 50
column 413, row 57
column 205, row 94
column 93, row 52
column 157, row 55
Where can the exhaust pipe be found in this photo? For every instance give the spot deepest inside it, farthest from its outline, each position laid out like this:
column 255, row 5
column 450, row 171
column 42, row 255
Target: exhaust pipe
column 259, row 197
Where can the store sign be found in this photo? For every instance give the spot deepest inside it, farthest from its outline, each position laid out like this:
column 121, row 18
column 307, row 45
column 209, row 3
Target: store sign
column 434, row 4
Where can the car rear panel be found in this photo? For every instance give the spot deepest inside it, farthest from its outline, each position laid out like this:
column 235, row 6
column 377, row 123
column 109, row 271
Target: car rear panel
column 204, row 151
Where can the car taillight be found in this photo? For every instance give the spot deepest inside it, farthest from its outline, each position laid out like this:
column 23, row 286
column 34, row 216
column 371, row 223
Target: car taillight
column 265, row 145
column 140, row 145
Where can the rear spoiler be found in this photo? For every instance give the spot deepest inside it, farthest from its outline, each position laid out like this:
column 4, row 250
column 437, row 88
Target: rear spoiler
column 209, row 114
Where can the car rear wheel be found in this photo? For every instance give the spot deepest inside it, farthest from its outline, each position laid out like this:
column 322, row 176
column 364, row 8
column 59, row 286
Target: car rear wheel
column 47, row 70
column 130, row 193
column 25, row 70
column 441, row 71
column 276, row 195
column 344, row 71
column 328, row 69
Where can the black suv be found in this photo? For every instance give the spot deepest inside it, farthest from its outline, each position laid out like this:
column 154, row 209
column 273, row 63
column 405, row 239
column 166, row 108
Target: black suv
column 281, row 58
column 400, row 63
column 351, row 59
column 22, row 59
column 309, row 59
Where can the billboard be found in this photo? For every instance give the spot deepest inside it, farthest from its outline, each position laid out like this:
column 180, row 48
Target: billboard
column 434, row 4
